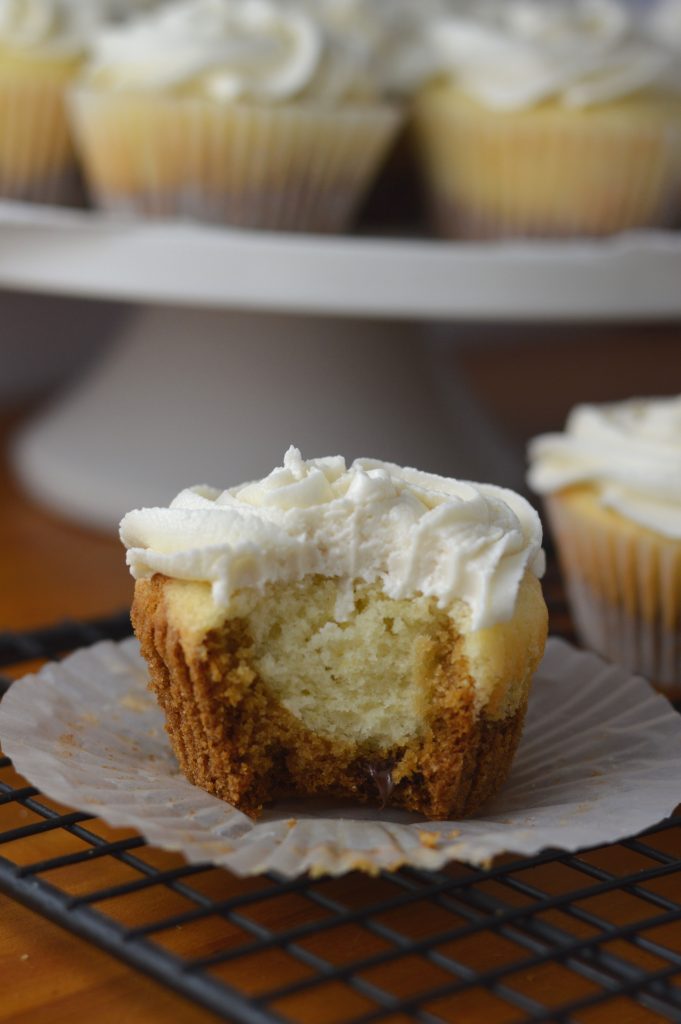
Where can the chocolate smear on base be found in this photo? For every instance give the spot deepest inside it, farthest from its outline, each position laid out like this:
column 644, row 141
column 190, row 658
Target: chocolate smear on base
column 383, row 780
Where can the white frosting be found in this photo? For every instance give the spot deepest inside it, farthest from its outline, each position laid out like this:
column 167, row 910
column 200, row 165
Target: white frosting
column 416, row 533
column 631, row 452
column 387, row 39
column 514, row 54
column 229, row 49
column 63, row 26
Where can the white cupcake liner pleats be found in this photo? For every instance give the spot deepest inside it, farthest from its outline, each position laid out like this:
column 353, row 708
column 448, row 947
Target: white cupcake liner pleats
column 37, row 160
column 624, row 589
column 284, row 168
column 548, row 173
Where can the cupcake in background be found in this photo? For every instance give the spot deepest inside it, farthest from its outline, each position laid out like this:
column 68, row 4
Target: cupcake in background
column 612, row 490
column 549, row 118
column 252, row 113
column 42, row 46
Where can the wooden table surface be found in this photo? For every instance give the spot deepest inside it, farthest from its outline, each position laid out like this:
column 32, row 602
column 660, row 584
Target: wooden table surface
column 49, row 571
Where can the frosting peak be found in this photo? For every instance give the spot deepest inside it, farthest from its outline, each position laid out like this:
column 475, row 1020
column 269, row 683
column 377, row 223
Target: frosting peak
column 462, row 543
column 245, row 49
column 297, row 484
column 630, row 451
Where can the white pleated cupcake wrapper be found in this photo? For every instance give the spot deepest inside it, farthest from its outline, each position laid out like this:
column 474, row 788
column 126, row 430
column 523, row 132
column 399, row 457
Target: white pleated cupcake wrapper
column 637, row 621
column 638, row 645
column 641, row 193
column 282, row 168
column 39, row 165
column 600, row 759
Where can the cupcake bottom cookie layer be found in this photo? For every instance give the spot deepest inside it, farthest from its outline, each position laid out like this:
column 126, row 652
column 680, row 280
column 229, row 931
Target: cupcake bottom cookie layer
column 256, row 712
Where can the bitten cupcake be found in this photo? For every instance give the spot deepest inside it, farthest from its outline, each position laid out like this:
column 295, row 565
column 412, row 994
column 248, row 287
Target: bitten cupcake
column 243, row 112
column 366, row 632
column 549, row 119
column 42, row 46
column 612, row 488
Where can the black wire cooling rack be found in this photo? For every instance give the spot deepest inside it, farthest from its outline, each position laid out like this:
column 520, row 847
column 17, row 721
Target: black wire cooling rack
column 584, row 939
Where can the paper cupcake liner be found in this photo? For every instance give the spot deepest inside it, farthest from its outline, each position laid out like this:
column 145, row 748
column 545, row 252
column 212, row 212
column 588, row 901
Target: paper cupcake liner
column 600, row 759
column 283, row 168
column 548, row 173
column 37, row 159
column 624, row 592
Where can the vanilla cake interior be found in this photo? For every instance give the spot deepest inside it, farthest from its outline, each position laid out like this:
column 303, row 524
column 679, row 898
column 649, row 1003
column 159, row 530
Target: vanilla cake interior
column 328, row 686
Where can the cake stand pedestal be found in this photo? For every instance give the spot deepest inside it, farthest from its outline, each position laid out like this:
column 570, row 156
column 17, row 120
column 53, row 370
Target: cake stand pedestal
column 245, row 342
column 188, row 397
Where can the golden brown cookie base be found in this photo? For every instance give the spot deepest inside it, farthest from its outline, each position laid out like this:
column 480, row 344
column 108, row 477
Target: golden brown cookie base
column 232, row 738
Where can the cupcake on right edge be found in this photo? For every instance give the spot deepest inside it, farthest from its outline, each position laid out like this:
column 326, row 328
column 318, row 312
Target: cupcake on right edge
column 558, row 119
column 612, row 490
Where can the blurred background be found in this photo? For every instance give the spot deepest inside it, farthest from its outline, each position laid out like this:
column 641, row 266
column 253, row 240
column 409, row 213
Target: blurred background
column 457, row 301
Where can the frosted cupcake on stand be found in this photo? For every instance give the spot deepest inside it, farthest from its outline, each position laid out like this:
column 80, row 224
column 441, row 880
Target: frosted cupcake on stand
column 549, row 119
column 612, row 489
column 43, row 44
column 244, row 112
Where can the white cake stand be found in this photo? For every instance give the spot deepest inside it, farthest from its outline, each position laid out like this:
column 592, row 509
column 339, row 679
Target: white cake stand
column 242, row 343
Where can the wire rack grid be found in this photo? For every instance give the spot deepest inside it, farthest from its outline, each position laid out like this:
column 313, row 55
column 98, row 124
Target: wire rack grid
column 581, row 939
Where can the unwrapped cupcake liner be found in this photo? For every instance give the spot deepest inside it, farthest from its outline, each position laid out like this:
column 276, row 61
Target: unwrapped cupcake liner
column 37, row 159
column 548, row 173
column 600, row 759
column 283, row 168
column 624, row 591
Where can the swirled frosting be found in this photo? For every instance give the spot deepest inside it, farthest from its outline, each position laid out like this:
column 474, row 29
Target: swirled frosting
column 232, row 49
column 62, row 26
column 514, row 54
column 629, row 451
column 385, row 38
column 414, row 532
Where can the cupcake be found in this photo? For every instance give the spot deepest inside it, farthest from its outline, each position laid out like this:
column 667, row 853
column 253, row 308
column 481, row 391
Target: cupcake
column 549, row 120
column 366, row 633
column 242, row 112
column 612, row 487
column 42, row 46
